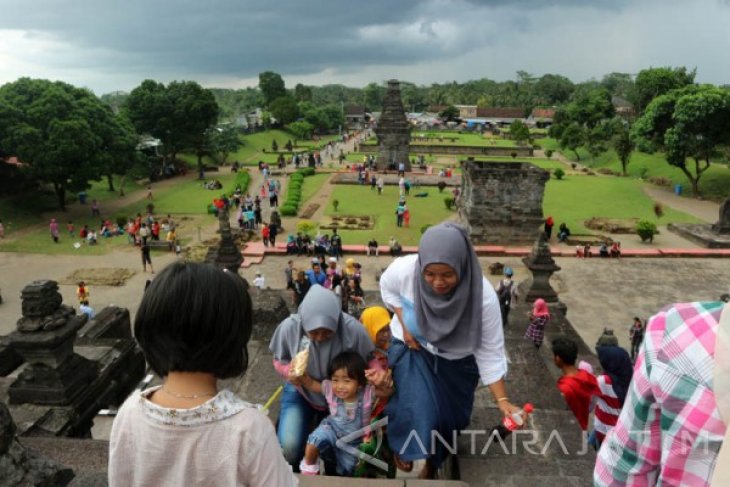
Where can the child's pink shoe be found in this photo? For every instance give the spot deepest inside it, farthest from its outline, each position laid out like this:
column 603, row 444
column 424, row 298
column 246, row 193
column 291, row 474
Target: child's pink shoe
column 306, row 469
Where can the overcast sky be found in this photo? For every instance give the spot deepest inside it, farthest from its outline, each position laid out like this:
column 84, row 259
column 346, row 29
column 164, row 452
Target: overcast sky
column 109, row 45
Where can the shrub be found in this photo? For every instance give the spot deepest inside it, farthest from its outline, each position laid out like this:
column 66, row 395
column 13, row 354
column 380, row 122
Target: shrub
column 660, row 181
column 513, row 154
column 335, row 204
column 536, row 146
column 559, row 173
column 441, row 185
column 288, row 210
column 121, row 220
column 150, row 208
column 549, row 153
column 307, row 171
column 643, row 171
column 646, row 230
column 607, row 170
column 274, row 146
column 573, row 165
column 243, row 178
column 306, row 227
column 450, row 202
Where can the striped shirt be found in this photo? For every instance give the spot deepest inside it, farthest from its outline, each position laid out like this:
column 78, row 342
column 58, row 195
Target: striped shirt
column 608, row 407
column 670, row 430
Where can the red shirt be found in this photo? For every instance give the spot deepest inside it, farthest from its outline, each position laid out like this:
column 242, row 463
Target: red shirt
column 578, row 390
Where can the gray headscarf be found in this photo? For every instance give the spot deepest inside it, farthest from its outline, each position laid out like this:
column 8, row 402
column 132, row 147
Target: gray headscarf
column 319, row 309
column 452, row 322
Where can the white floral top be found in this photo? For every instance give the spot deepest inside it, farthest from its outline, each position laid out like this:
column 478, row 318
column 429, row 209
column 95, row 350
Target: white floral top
column 219, row 407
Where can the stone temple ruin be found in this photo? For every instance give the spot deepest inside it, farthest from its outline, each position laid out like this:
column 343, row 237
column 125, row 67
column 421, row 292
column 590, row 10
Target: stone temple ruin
column 393, row 131
column 715, row 236
column 502, row 201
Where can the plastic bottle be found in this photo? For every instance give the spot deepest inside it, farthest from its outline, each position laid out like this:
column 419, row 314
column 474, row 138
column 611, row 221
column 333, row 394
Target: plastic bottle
column 513, row 422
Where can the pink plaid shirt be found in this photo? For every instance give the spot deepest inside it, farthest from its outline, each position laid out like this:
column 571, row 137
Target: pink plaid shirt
column 669, row 431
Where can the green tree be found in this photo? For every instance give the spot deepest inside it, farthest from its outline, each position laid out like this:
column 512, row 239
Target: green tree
column 180, row 115
column 272, row 86
column 690, row 124
column 654, row 82
column 284, row 109
column 195, row 112
column 622, row 142
column 619, row 84
column 54, row 128
column 301, row 130
column 449, row 113
column 373, row 95
column 589, row 106
column 118, row 153
column 553, row 89
column 302, row 92
column 519, row 131
column 572, row 137
column 224, row 141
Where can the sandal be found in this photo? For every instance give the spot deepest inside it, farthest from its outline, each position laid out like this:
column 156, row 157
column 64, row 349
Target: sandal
column 401, row 465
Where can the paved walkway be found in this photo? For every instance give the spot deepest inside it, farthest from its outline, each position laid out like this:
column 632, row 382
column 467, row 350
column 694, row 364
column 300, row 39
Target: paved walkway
column 705, row 210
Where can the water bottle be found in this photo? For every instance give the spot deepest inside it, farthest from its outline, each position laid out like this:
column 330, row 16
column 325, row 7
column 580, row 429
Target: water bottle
column 513, row 421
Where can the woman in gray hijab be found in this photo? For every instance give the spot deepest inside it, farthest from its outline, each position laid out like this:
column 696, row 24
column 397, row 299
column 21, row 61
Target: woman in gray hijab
column 320, row 326
column 447, row 334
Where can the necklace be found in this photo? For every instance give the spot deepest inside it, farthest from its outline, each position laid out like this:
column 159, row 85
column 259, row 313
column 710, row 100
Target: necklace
column 193, row 396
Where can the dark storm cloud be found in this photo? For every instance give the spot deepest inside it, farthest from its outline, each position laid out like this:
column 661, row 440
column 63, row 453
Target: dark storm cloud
column 242, row 38
column 114, row 44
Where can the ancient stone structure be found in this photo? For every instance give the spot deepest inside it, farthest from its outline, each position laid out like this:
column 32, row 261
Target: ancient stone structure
column 393, row 131
column 723, row 223
column 68, row 379
column 541, row 264
column 459, row 150
column 19, row 466
column 45, row 338
column 269, row 309
column 501, row 202
column 715, row 236
column 226, row 255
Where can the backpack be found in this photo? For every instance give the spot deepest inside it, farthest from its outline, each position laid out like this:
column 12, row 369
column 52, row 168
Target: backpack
column 504, row 293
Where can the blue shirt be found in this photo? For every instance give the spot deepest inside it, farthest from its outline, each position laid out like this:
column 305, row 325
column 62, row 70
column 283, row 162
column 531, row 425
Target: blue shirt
column 316, row 278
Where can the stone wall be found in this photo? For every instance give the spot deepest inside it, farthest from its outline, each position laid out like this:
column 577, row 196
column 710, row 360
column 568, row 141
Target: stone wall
column 460, row 150
column 501, row 202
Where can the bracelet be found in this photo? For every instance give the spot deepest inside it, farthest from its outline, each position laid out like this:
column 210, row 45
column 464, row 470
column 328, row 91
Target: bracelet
column 505, row 398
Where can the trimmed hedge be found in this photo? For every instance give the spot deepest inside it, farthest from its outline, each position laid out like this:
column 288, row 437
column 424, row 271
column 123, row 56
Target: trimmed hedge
column 294, row 191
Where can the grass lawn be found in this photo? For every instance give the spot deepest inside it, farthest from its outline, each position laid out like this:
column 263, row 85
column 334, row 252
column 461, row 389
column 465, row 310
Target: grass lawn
column 577, row 198
column 39, row 241
column 311, row 186
column 361, row 200
column 714, row 183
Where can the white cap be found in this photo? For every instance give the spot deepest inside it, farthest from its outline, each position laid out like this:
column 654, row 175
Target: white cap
column 333, row 259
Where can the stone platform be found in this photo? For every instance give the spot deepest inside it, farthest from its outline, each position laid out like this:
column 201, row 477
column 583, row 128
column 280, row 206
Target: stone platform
column 702, row 234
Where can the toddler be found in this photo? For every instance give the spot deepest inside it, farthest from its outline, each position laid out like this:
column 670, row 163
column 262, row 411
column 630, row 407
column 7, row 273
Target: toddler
column 350, row 400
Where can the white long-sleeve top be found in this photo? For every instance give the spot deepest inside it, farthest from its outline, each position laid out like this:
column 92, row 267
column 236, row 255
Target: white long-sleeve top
column 397, row 283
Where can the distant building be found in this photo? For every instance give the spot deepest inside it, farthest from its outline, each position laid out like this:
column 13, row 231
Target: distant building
column 623, row 107
column 541, row 117
column 355, row 117
column 254, row 118
column 467, row 111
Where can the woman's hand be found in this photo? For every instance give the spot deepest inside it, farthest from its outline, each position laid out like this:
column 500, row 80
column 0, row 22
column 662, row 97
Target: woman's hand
column 379, row 377
column 508, row 409
column 411, row 342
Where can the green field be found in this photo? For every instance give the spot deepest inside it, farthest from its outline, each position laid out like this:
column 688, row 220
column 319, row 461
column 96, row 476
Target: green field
column 311, row 186
column 361, row 200
column 577, row 198
column 714, row 183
